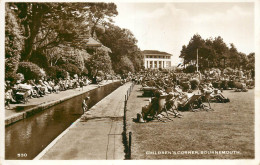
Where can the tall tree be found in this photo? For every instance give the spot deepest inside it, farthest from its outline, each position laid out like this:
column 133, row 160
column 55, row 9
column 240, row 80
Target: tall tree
column 101, row 14
column 13, row 43
column 122, row 43
column 212, row 51
column 189, row 52
column 99, row 61
column 125, row 66
column 243, row 60
column 251, row 61
column 47, row 25
column 221, row 50
column 233, row 56
column 184, row 54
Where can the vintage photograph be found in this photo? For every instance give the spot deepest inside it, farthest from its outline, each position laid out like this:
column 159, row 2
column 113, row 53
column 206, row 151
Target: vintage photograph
column 129, row 80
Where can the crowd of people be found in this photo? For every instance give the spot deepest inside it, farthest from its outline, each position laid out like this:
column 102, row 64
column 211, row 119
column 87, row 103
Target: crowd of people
column 180, row 87
column 178, row 84
column 22, row 90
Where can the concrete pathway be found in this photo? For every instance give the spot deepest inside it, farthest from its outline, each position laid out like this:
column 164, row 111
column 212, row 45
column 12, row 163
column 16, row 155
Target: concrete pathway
column 98, row 137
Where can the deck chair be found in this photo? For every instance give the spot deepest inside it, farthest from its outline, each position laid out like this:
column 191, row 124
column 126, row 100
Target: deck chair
column 193, row 103
column 155, row 110
column 150, row 110
column 148, row 91
column 171, row 109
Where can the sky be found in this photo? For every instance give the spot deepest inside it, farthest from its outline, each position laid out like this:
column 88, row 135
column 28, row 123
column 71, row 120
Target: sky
column 168, row 26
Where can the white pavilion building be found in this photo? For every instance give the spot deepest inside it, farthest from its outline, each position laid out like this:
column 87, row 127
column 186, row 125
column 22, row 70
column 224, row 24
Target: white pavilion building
column 155, row 59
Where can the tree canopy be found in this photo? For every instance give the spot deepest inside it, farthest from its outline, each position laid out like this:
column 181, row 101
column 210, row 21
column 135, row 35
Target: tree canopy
column 54, row 37
column 99, row 61
column 14, row 42
column 122, row 44
column 214, row 53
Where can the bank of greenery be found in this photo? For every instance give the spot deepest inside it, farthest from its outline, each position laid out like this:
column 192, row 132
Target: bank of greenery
column 53, row 37
column 214, row 53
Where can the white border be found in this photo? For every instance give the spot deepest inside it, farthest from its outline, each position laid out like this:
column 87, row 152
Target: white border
column 66, row 162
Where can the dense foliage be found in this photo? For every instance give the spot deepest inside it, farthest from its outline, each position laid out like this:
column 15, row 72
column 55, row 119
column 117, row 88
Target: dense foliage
column 30, row 71
column 53, row 36
column 125, row 66
column 56, row 72
column 13, row 43
column 214, row 53
column 99, row 61
column 122, row 44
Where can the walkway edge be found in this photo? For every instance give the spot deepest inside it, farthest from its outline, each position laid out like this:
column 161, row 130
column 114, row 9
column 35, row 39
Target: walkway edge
column 46, row 149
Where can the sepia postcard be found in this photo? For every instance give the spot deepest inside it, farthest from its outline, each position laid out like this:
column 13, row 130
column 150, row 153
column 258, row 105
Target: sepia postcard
column 141, row 82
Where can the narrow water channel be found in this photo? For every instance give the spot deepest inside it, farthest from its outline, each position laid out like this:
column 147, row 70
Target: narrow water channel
column 27, row 138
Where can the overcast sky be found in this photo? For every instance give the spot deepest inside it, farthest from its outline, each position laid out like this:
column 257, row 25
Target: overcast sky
column 168, row 26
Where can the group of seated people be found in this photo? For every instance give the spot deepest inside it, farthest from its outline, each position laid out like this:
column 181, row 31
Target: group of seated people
column 178, row 94
column 21, row 91
column 176, row 100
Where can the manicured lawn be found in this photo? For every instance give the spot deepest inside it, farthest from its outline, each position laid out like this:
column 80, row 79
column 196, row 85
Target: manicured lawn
column 230, row 127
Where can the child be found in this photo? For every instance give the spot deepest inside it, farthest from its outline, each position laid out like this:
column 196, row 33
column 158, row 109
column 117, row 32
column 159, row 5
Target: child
column 84, row 105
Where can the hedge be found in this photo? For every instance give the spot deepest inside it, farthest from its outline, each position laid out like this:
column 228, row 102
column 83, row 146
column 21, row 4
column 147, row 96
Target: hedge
column 30, row 70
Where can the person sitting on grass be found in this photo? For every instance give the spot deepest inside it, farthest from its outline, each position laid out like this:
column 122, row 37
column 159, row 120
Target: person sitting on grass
column 240, row 86
column 210, row 93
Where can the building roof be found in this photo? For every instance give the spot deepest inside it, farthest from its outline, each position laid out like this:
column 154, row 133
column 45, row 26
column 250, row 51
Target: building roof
column 155, row 52
column 93, row 43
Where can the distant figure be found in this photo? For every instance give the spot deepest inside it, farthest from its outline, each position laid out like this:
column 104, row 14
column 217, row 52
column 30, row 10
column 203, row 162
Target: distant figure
column 84, row 105
column 81, row 84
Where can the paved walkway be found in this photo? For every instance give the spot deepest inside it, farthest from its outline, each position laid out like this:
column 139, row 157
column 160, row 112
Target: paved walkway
column 50, row 98
column 99, row 137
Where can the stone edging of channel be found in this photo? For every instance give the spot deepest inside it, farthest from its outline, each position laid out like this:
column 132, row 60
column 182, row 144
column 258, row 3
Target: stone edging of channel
column 46, row 149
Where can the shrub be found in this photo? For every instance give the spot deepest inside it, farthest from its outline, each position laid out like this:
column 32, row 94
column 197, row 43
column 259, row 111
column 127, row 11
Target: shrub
column 126, row 65
column 190, row 69
column 100, row 74
column 84, row 72
column 30, row 70
column 55, row 72
column 71, row 68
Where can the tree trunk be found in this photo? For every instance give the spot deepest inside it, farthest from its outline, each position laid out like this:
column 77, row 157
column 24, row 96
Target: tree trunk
column 33, row 27
column 28, row 48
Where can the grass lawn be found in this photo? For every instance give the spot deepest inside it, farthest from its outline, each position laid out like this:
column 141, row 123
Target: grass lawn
column 230, row 127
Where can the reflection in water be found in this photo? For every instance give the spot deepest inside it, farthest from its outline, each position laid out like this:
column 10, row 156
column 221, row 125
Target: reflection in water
column 33, row 134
